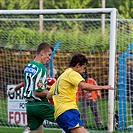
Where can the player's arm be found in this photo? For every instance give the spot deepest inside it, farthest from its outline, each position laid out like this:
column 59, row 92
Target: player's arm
column 86, row 86
column 44, row 93
column 98, row 92
column 15, row 89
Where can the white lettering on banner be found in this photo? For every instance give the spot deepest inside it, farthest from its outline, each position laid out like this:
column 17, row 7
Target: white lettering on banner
column 16, row 107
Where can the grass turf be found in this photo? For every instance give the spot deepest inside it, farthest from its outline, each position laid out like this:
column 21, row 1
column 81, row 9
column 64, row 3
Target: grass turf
column 20, row 130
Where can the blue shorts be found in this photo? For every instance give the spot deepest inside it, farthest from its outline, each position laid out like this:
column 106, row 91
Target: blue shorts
column 69, row 120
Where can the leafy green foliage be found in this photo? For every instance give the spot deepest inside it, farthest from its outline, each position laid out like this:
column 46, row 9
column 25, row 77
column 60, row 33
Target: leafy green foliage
column 19, row 4
column 124, row 6
column 20, row 37
column 24, row 38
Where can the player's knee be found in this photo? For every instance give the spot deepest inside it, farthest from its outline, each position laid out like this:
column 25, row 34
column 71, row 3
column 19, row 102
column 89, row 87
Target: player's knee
column 79, row 130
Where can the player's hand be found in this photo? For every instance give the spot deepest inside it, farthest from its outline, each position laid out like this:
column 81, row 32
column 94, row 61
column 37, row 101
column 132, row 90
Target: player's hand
column 11, row 91
column 49, row 96
column 106, row 87
column 111, row 88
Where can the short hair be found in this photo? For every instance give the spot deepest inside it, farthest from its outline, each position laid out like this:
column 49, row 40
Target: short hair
column 43, row 46
column 78, row 58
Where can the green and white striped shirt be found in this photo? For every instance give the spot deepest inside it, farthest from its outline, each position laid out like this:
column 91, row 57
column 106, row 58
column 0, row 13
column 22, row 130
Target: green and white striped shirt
column 35, row 79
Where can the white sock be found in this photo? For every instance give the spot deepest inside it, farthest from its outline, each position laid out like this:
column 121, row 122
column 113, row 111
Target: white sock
column 63, row 131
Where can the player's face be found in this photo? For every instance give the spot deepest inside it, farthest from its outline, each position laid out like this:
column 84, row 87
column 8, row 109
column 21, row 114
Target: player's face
column 46, row 56
column 81, row 69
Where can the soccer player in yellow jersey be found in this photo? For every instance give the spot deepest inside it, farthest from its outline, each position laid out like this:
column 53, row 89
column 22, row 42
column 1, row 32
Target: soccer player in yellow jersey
column 64, row 91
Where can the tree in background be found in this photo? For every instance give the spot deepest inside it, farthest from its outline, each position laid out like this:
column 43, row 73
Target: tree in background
column 19, row 4
column 124, row 7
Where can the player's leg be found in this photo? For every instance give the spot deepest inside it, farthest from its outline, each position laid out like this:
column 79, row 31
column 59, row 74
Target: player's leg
column 39, row 130
column 47, row 113
column 33, row 111
column 79, row 130
column 63, row 131
column 27, row 130
column 70, row 121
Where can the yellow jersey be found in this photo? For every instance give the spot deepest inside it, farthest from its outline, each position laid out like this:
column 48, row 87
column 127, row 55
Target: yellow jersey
column 64, row 91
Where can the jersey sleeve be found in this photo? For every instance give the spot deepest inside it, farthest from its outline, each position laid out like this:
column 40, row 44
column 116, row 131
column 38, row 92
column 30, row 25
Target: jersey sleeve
column 40, row 81
column 75, row 78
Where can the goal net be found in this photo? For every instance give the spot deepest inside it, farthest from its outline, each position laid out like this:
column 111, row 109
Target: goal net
column 101, row 34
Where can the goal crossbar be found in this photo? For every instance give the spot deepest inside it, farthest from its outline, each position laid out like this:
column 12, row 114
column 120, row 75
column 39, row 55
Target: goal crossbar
column 58, row 11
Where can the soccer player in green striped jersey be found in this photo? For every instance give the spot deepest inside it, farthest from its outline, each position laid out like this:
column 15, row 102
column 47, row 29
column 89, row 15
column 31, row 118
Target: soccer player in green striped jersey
column 35, row 80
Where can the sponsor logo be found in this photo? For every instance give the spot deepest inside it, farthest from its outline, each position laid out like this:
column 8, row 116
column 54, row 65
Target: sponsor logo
column 30, row 70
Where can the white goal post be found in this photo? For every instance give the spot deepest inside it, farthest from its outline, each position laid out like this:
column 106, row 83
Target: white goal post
column 112, row 38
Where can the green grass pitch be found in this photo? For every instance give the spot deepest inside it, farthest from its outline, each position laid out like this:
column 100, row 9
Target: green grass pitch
column 20, row 130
